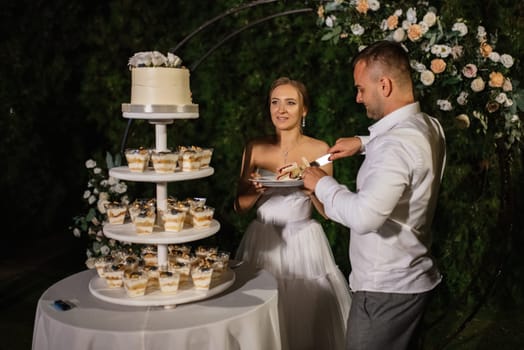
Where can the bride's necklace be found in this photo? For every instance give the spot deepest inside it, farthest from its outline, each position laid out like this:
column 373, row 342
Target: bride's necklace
column 286, row 152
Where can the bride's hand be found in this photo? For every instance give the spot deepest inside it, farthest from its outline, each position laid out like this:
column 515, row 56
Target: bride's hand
column 259, row 188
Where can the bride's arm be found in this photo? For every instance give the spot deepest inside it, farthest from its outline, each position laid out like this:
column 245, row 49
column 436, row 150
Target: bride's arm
column 248, row 192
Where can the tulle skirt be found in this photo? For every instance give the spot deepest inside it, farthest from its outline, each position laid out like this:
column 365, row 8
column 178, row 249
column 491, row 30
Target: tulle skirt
column 314, row 295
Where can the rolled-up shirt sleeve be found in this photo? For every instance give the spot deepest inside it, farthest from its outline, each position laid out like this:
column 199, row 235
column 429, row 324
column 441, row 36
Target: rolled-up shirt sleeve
column 381, row 184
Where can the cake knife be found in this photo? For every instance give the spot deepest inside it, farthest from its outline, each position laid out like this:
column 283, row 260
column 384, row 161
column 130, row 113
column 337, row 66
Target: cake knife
column 321, row 161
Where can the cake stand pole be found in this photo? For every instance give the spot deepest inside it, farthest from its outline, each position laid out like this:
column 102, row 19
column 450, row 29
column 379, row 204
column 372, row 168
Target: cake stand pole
column 161, row 190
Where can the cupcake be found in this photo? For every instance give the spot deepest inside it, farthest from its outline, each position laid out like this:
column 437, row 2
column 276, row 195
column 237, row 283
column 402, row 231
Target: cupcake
column 174, row 220
column 113, row 275
column 169, row 281
column 145, row 221
column 116, row 212
column 164, row 161
column 135, row 283
column 202, row 216
column 137, row 159
column 201, row 276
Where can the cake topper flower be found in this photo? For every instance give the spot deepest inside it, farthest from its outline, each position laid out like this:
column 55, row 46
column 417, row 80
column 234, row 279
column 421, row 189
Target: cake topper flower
column 154, row 59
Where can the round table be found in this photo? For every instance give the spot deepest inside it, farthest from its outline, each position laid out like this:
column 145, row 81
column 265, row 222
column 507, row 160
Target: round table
column 245, row 316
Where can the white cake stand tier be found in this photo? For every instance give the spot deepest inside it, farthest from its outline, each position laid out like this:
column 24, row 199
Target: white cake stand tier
column 186, row 293
column 149, row 175
column 127, row 233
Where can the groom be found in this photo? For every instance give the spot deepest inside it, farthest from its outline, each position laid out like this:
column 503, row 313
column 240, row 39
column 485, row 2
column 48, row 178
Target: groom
column 391, row 211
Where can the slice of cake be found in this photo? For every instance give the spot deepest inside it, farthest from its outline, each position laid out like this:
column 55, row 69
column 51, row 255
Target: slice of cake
column 164, row 162
column 135, row 283
column 201, row 276
column 144, row 222
column 116, row 212
column 205, row 157
column 190, row 160
column 137, row 159
column 169, row 281
column 113, row 275
column 101, row 263
column 174, row 220
column 202, row 216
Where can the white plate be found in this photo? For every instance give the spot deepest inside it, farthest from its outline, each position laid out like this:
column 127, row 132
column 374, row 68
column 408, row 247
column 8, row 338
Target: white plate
column 185, row 294
column 271, row 181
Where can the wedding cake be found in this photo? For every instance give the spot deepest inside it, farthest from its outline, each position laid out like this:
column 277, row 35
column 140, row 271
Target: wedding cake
column 157, row 79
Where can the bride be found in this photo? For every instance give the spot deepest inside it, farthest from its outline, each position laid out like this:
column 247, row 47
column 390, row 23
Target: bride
column 313, row 294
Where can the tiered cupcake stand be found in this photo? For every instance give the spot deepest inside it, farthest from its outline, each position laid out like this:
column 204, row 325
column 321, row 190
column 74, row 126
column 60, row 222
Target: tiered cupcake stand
column 160, row 117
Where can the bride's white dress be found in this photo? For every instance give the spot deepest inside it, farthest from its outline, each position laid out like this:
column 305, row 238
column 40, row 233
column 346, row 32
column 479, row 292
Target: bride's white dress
column 313, row 294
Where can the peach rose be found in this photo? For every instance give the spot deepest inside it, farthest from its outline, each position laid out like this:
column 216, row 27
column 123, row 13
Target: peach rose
column 462, row 121
column 392, row 22
column 362, row 6
column 496, row 79
column 485, row 49
column 438, row 65
column 414, row 32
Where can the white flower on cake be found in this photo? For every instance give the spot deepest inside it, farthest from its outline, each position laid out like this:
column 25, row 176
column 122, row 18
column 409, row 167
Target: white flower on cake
column 154, row 59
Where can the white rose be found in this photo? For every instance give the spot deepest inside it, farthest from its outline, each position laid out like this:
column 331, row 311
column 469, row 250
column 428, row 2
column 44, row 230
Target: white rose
column 494, row 56
column 97, row 170
column 507, row 86
column 411, row 15
column 419, row 67
column 87, row 193
column 76, row 232
column 427, row 77
column 405, row 24
column 330, row 21
column 481, row 34
column 506, row 60
column 90, row 262
column 101, row 205
column 374, row 5
column 357, row 29
column 478, row 84
column 112, row 181
column 399, row 35
column 461, row 28
column 508, row 102
column 514, row 118
column 501, row 98
column 158, row 59
column 90, row 164
column 444, row 105
column 430, row 19
column 423, row 27
column 462, row 121
column 397, row 13
column 462, row 98
column 91, row 199
column 104, row 250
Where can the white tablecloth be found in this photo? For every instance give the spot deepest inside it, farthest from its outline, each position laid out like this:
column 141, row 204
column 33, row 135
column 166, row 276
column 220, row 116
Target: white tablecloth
column 243, row 317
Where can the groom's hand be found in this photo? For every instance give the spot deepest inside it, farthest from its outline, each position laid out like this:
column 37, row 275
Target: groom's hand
column 311, row 176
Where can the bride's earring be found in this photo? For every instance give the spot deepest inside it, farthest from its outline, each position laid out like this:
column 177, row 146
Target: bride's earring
column 303, row 122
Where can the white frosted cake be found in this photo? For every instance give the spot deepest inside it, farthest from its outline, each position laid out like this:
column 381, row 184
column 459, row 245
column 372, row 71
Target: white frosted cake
column 160, row 86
